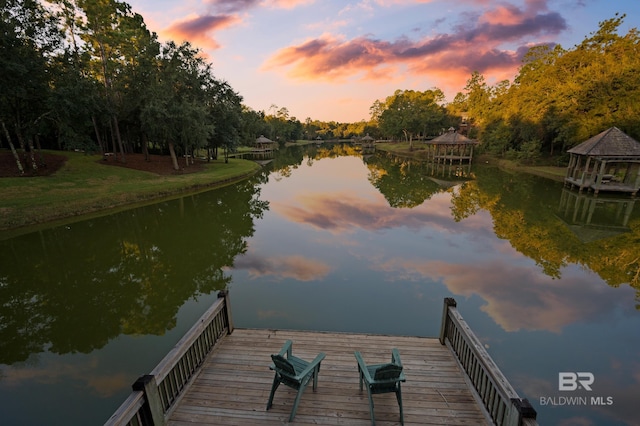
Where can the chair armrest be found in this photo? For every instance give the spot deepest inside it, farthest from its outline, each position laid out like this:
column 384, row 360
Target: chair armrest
column 395, row 357
column 316, row 362
column 363, row 367
column 286, row 348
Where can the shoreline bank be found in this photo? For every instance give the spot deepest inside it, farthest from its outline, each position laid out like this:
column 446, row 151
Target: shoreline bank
column 84, row 188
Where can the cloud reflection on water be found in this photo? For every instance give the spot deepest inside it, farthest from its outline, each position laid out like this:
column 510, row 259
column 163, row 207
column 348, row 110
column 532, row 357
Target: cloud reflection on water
column 541, row 303
column 280, row 267
column 344, row 211
column 487, row 266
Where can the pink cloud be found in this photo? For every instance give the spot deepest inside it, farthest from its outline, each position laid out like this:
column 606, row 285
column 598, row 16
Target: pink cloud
column 475, row 45
column 287, row 4
column 540, row 303
column 330, row 58
column 505, row 15
column 341, row 212
column 297, row 267
column 240, row 5
column 58, row 372
column 197, row 29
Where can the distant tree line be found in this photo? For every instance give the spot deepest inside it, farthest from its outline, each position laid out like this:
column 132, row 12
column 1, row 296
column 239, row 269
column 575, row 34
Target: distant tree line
column 89, row 75
column 559, row 98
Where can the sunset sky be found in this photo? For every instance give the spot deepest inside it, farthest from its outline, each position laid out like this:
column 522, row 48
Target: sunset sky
column 330, row 60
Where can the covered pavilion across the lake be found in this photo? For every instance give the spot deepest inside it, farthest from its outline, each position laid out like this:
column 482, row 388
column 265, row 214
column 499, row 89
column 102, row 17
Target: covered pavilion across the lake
column 264, row 144
column 451, row 147
column 264, row 148
column 367, row 141
column 609, row 161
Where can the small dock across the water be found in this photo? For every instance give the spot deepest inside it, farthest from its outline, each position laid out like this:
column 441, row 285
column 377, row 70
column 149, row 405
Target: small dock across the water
column 218, row 375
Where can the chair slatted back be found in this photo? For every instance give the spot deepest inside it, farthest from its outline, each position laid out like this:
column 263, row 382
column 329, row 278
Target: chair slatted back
column 388, row 372
column 283, row 366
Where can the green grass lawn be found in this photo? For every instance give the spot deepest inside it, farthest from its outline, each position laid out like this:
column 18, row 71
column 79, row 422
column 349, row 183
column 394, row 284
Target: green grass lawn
column 84, row 185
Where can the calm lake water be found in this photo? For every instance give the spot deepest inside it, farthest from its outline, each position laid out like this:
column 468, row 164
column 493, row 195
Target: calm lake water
column 326, row 239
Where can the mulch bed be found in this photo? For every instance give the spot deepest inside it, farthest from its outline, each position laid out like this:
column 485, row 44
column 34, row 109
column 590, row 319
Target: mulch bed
column 9, row 168
column 158, row 164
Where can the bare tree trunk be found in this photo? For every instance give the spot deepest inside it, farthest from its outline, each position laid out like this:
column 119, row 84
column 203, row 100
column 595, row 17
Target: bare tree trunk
column 13, row 148
column 95, row 129
column 186, row 155
column 118, row 138
column 21, row 142
column 114, row 148
column 174, row 159
column 145, row 146
column 32, row 152
column 42, row 162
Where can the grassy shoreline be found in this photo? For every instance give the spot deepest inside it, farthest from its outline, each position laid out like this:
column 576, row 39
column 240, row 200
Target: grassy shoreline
column 550, row 172
column 84, row 187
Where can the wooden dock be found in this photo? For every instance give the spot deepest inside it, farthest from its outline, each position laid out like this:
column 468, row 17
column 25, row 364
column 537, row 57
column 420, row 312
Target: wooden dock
column 233, row 385
column 215, row 375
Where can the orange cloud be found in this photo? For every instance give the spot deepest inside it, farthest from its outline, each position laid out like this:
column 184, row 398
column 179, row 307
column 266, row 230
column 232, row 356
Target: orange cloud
column 197, row 29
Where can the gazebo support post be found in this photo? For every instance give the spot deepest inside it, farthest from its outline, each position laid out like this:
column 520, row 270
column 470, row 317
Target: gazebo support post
column 585, row 173
column 600, row 175
column 636, row 185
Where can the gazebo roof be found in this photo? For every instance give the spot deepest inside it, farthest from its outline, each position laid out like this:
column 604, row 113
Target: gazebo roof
column 453, row 138
column 612, row 142
column 367, row 138
column 263, row 139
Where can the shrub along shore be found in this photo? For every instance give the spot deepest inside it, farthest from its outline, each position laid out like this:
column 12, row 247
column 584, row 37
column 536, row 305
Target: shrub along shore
column 85, row 186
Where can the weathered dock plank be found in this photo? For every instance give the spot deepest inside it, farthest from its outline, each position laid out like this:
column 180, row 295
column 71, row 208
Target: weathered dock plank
column 233, row 386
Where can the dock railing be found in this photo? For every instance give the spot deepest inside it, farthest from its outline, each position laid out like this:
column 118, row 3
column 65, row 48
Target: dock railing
column 500, row 402
column 155, row 395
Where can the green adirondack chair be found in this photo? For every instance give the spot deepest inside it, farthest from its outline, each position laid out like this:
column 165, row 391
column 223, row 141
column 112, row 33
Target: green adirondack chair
column 382, row 378
column 293, row 372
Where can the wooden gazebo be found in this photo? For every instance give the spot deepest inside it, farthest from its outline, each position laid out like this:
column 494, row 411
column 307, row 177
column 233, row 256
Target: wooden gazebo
column 264, row 144
column 609, row 161
column 367, row 141
column 451, row 147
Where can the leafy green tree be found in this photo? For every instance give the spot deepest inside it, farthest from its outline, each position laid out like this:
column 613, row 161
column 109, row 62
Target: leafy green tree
column 410, row 113
column 225, row 110
column 174, row 111
column 103, row 41
column 477, row 98
column 253, row 125
column 560, row 97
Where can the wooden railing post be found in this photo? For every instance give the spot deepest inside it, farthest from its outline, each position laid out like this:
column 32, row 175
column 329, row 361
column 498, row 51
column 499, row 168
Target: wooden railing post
column 155, row 413
column 227, row 303
column 448, row 301
column 520, row 410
